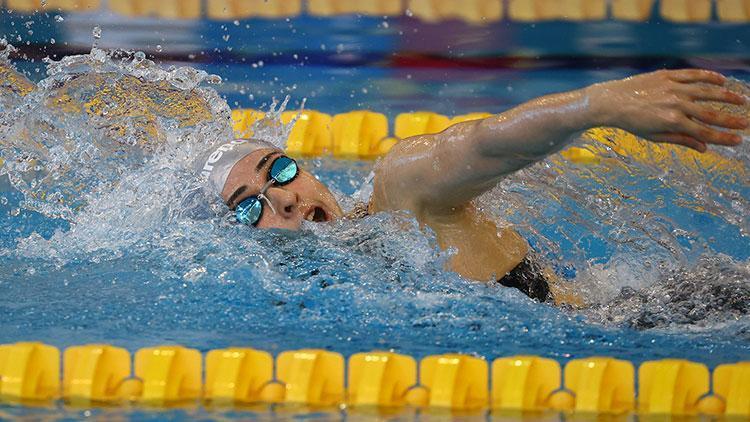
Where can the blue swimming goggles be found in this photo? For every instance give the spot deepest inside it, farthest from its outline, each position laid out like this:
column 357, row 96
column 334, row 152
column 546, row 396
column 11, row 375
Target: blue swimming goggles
column 283, row 170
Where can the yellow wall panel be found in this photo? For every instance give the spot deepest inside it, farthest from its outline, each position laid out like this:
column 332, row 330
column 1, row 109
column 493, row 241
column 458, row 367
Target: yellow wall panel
column 583, row 9
column 632, row 10
column 23, row 5
column 733, row 10
column 365, row 7
column 685, row 10
column 238, row 9
column 474, row 11
column 539, row 10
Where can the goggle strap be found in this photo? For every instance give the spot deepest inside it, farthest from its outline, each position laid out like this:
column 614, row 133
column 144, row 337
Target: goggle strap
column 262, row 194
column 268, row 201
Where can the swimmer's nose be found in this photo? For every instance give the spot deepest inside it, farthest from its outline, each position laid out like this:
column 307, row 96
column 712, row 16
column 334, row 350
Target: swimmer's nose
column 286, row 202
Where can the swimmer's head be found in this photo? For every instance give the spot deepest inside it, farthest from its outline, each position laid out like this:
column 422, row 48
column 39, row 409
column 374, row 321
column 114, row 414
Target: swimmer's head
column 240, row 169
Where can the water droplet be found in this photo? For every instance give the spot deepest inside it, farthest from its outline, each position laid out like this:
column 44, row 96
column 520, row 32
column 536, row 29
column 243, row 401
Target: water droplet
column 236, row 22
column 52, row 41
column 97, row 32
column 409, row 13
column 225, row 37
column 158, row 48
column 59, row 18
column 98, row 55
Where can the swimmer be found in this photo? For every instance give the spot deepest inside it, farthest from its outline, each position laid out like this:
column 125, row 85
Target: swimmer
column 436, row 176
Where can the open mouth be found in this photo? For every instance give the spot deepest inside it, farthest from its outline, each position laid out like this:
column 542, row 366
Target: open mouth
column 317, row 215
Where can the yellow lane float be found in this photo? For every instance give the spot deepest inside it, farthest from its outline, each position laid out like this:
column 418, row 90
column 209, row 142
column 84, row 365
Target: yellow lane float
column 29, row 371
column 380, row 379
column 597, row 385
column 524, row 382
column 166, row 376
column 310, row 376
column 94, row 372
column 237, row 375
column 451, row 381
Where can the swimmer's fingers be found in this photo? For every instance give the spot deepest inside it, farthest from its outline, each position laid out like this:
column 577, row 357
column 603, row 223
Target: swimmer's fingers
column 708, row 135
column 680, row 139
column 696, row 75
column 714, row 117
column 710, row 93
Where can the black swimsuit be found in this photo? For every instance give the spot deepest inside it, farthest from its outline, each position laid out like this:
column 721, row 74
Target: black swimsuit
column 528, row 277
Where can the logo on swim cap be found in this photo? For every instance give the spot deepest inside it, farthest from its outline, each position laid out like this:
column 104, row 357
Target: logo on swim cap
column 216, row 156
column 219, row 162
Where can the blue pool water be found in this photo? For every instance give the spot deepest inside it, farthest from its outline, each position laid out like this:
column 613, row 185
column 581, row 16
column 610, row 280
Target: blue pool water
column 125, row 271
column 106, row 239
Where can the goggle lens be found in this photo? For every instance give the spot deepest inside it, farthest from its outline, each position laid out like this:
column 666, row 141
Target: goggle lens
column 283, row 170
column 249, row 211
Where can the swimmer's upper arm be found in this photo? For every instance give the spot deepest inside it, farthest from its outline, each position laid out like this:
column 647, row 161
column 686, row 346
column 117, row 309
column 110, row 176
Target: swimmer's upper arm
column 442, row 172
column 423, row 173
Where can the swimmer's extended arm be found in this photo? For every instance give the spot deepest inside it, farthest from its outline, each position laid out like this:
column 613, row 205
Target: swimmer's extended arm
column 440, row 173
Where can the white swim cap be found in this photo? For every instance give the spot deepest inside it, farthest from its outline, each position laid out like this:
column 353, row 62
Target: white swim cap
column 220, row 161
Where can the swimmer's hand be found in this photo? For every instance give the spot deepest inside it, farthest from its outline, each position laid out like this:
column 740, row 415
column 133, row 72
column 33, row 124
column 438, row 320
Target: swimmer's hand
column 663, row 106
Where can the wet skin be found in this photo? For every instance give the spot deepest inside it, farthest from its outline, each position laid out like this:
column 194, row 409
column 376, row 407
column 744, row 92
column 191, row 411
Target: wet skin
column 437, row 176
column 303, row 198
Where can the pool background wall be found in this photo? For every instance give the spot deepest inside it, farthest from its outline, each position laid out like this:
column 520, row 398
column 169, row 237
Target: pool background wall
column 260, row 48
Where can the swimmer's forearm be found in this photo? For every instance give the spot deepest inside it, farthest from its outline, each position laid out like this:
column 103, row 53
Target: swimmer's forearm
column 663, row 106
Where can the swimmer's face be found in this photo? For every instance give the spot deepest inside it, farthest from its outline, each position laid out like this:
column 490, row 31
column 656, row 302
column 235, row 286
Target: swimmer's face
column 304, row 198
